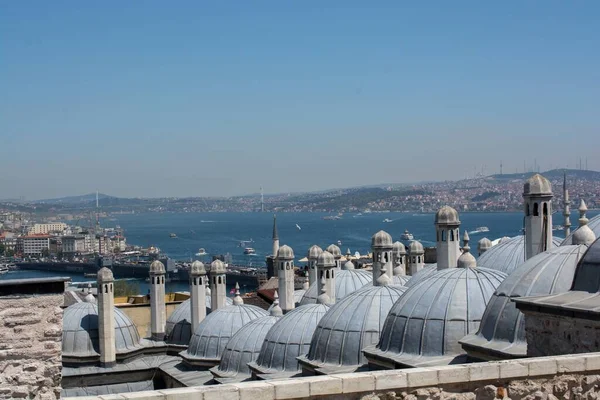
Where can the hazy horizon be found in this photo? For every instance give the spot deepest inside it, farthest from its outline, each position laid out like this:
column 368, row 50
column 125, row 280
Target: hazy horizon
column 202, row 99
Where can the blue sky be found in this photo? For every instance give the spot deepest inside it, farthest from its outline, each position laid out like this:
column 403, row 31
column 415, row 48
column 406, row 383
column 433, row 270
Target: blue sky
column 199, row 98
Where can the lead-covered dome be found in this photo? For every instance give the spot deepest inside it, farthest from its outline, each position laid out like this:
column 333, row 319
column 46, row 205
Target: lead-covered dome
column 415, row 247
column 426, row 323
column 537, row 185
column 346, row 282
column 502, row 330
column 314, row 252
column 447, row 216
column 381, row 239
column 423, row 273
column 157, row 267
column 285, row 252
column 593, row 224
column 288, row 339
column 214, row 332
column 400, row 280
column 80, row 332
column 507, row 255
column 348, row 327
column 334, row 250
column 179, row 323
column 242, row 348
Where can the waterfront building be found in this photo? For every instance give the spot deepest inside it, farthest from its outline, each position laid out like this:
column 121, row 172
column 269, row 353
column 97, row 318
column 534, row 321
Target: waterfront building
column 73, row 244
column 45, row 229
column 34, row 245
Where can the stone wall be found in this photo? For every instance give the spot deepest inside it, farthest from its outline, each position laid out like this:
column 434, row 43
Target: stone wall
column 30, row 346
column 572, row 377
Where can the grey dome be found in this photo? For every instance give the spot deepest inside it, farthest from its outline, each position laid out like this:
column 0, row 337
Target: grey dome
column 400, row 280
column 447, row 216
column 537, row 185
column 425, row 272
column 381, row 239
column 484, row 245
column 314, row 252
column 326, row 259
column 105, row 275
column 415, row 247
column 288, row 338
column 334, row 250
column 179, row 323
column 80, row 331
column 426, row 323
column 507, row 255
column 285, row 252
column 197, row 268
column 348, row 265
column 349, row 326
column 157, row 267
column 346, row 282
column 242, row 348
column 398, row 248
column 213, row 333
column 298, row 295
column 502, row 330
column 217, row 267
column 593, row 224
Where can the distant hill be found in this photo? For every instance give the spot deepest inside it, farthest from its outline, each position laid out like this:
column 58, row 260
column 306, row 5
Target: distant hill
column 85, row 198
column 552, row 174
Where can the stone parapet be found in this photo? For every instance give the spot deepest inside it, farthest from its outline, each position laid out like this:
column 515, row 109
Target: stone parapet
column 30, row 338
column 543, row 377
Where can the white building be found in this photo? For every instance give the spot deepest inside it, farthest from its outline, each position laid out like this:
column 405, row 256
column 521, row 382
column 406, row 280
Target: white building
column 34, row 245
column 44, row 229
column 73, row 244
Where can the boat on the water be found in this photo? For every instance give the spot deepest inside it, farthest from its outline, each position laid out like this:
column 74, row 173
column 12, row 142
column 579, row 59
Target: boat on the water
column 387, row 220
column 172, row 235
column 407, row 235
column 339, row 242
column 3, row 269
column 249, row 251
column 558, row 228
column 201, row 252
column 480, row 229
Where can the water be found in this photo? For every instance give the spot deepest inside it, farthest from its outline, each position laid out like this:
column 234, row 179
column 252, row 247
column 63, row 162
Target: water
column 220, row 233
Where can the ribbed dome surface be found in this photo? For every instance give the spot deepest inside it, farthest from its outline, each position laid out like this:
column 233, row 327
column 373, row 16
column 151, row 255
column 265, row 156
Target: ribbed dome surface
column 213, row 334
column 289, row 338
column 351, row 325
column 425, row 272
column 381, row 239
column 447, row 216
column 179, row 323
column 244, row 347
column 537, row 185
column 502, row 329
column 426, row 323
column 346, row 282
column 508, row 255
column 334, row 250
column 593, row 224
column 80, row 331
column 400, row 280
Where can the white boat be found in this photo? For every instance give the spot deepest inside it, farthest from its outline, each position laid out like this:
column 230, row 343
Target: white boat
column 480, row 229
column 298, row 226
column 3, row 269
column 249, row 250
column 201, row 252
column 407, row 235
column 172, row 235
column 387, row 220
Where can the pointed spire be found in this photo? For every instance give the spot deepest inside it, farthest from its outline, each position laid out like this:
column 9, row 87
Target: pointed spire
column 384, row 279
column 582, row 210
column 466, row 259
column 275, row 234
column 584, row 234
column 466, row 247
column 276, row 311
column 237, row 300
column 306, row 284
column 566, row 204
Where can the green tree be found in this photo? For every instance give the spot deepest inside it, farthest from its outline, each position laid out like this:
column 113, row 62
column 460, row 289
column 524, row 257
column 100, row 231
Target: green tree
column 126, row 288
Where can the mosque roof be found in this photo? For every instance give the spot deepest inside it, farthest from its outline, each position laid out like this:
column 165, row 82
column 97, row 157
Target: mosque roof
column 502, row 330
column 80, row 331
column 243, row 347
column 426, row 323
column 346, row 282
column 508, row 255
column 179, row 323
column 400, row 280
column 349, row 326
column 214, row 332
column 425, row 272
column 593, row 224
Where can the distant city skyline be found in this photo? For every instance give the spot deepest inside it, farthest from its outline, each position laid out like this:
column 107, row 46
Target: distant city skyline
column 198, row 99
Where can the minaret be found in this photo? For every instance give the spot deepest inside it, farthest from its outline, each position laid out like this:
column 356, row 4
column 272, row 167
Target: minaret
column 566, row 204
column 399, row 258
column 466, row 259
column 285, row 272
column 381, row 246
column 275, row 237
column 447, row 237
column 158, row 312
column 416, row 257
column 584, row 234
column 313, row 256
column 327, row 270
column 197, row 293
column 537, row 194
column 106, row 317
column 218, row 289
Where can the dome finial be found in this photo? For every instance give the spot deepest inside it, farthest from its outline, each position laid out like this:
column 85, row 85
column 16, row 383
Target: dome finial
column 466, row 259
column 276, row 311
column 582, row 210
column 466, row 246
column 584, row 234
column 323, row 297
column 384, row 279
column 237, row 300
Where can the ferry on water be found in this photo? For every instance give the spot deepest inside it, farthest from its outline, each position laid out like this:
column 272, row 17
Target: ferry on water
column 249, row 251
column 172, row 235
column 387, row 220
column 407, row 235
column 480, row 229
column 201, row 252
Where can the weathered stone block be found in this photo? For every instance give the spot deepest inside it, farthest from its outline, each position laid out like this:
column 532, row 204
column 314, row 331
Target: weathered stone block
column 291, row 388
column 357, row 382
column 453, row 374
column 486, row 371
column 221, row 392
column 324, row 385
column 181, row 394
column 419, row 377
column 542, row 366
column 255, row 390
column 146, row 395
column 394, row 379
column 513, row 369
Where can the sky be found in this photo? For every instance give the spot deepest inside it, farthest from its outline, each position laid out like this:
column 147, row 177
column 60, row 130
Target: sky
column 191, row 98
